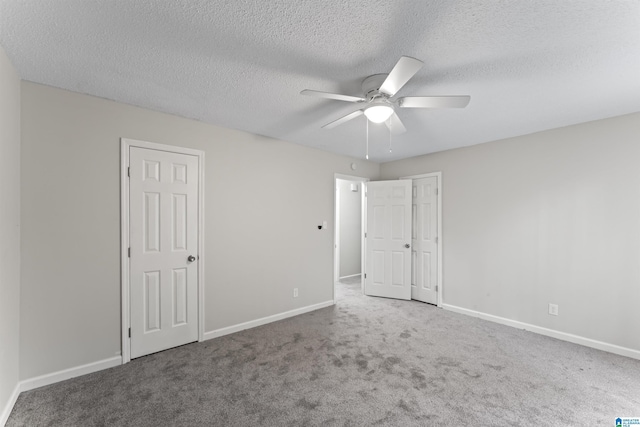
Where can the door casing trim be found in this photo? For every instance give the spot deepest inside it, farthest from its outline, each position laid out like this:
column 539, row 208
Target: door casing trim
column 125, row 144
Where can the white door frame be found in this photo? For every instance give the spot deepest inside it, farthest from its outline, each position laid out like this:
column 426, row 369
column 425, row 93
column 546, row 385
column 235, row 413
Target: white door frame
column 438, row 175
column 336, row 236
column 125, row 144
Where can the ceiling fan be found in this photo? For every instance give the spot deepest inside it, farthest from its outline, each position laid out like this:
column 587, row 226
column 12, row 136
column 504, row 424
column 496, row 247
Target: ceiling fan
column 379, row 90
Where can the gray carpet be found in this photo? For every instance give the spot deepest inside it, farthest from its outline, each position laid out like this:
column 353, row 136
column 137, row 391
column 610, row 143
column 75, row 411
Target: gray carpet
column 366, row 361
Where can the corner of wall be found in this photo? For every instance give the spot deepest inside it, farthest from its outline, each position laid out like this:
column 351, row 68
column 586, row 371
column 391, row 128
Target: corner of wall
column 10, row 220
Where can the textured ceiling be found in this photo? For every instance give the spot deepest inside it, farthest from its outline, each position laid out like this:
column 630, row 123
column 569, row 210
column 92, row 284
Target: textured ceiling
column 528, row 65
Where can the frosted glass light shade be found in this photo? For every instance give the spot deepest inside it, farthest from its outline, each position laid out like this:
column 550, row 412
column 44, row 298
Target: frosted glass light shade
column 378, row 113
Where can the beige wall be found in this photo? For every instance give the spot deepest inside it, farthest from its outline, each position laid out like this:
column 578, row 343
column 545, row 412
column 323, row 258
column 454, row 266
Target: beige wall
column 9, row 230
column 264, row 201
column 549, row 217
column 552, row 217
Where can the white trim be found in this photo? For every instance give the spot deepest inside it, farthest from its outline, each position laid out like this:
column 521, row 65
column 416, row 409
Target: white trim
column 66, row 374
column 336, row 249
column 350, row 177
column 336, row 236
column 363, row 231
column 201, row 254
column 264, row 320
column 4, row 416
column 576, row 339
column 125, row 144
column 351, row 275
column 438, row 176
column 124, row 248
column 422, row 175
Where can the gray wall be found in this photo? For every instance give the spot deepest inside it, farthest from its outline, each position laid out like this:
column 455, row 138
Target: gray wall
column 552, row 217
column 264, row 200
column 9, row 228
column 350, row 228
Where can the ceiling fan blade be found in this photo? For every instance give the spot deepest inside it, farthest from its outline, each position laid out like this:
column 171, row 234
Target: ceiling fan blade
column 335, row 96
column 341, row 120
column 406, row 68
column 434, row 101
column 395, row 124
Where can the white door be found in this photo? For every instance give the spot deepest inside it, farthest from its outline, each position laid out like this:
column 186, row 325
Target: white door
column 424, row 243
column 388, row 239
column 163, row 218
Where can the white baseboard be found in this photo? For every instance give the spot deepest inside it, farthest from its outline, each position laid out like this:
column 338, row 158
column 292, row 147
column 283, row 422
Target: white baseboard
column 4, row 416
column 263, row 321
column 66, row 374
column 55, row 377
column 351, row 275
column 576, row 339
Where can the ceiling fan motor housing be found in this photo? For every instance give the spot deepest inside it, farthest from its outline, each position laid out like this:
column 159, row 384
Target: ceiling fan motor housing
column 371, row 88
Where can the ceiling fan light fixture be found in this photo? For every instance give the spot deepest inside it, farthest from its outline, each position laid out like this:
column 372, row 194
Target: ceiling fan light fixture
column 378, row 113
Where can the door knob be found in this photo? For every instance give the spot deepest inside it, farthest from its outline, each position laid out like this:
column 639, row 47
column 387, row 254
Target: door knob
column 407, row 245
column 191, row 258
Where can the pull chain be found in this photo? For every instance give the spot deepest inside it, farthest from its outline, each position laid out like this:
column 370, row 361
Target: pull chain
column 390, row 124
column 367, row 153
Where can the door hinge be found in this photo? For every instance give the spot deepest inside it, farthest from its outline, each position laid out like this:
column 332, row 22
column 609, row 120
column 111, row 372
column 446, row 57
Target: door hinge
column 436, row 288
column 128, row 171
column 365, row 275
column 129, row 252
column 365, row 235
column 129, row 332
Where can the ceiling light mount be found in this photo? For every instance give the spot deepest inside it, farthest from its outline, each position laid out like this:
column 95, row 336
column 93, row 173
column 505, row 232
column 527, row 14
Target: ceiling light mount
column 380, row 107
column 378, row 112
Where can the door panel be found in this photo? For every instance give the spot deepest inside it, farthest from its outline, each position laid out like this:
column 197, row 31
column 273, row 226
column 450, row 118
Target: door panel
column 163, row 218
column 424, row 279
column 388, row 261
column 152, row 301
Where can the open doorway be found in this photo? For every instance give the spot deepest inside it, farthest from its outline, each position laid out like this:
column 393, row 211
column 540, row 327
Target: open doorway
column 425, row 243
column 349, row 232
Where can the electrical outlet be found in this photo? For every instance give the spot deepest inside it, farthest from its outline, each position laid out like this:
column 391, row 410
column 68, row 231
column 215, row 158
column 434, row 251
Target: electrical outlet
column 295, row 292
column 553, row 309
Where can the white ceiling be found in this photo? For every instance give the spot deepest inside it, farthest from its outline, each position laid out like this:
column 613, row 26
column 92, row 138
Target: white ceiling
column 528, row 65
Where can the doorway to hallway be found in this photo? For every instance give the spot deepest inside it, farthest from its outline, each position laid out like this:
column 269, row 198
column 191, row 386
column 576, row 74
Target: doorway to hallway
column 349, row 231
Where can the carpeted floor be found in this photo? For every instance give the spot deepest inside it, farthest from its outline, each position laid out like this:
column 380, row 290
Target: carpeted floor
column 366, row 361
